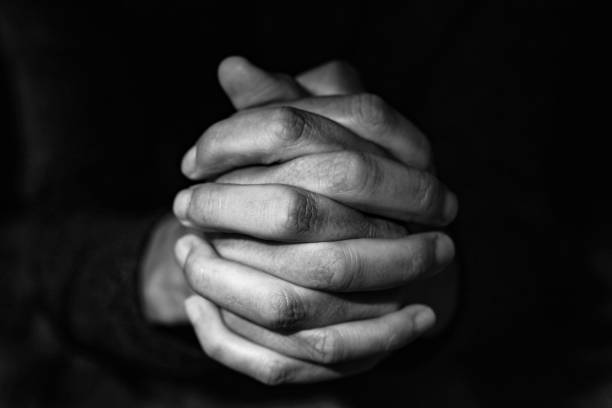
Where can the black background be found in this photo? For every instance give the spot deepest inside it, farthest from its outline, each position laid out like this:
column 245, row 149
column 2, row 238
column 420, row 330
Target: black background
column 99, row 103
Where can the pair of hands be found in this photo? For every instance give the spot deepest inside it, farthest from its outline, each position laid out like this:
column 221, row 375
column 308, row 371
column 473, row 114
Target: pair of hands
column 296, row 244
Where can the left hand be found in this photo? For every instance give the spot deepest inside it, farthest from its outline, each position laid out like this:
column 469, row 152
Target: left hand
column 374, row 255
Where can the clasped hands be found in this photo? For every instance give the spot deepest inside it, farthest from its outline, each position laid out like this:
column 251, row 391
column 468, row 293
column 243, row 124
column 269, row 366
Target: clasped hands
column 298, row 240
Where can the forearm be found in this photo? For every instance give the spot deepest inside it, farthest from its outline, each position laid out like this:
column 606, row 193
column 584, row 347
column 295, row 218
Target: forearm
column 87, row 270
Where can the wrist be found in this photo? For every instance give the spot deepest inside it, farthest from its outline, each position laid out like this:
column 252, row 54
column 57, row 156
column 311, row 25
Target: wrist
column 162, row 284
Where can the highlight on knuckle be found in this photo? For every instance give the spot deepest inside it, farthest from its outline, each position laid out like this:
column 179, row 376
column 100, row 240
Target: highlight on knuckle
column 372, row 110
column 215, row 350
column 393, row 342
column 426, row 192
column 352, row 172
column 210, row 141
column 284, row 310
column 323, row 345
column 194, row 270
column 334, row 269
column 201, row 204
column 419, row 259
column 289, row 125
column 274, row 372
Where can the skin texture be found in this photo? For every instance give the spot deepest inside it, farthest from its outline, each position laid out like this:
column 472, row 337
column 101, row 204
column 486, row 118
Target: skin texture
column 296, row 243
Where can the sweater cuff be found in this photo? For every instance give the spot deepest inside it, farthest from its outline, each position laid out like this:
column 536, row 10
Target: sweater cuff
column 99, row 308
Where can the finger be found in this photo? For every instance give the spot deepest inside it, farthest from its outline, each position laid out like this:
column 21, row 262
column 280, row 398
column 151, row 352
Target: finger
column 267, row 135
column 370, row 183
column 331, row 78
column 344, row 266
column 260, row 363
column 342, row 342
column 269, row 301
column 247, row 85
column 371, row 118
column 276, row 212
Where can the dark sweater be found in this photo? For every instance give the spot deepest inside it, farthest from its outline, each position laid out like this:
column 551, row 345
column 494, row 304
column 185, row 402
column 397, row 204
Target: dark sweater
column 105, row 100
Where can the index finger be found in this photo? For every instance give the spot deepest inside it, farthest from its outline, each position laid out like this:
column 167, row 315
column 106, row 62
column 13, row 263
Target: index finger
column 266, row 136
column 372, row 119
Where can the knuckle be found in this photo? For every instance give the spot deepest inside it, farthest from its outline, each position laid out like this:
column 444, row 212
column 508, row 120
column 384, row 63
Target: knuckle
column 215, row 350
column 274, row 372
column 335, row 269
column 284, row 311
column 302, row 213
column 289, row 124
column 419, row 259
column 372, row 110
column 324, row 345
column 425, row 192
column 210, row 140
column 222, row 244
column 227, row 246
column 199, row 206
column 393, row 342
column 353, row 172
column 193, row 270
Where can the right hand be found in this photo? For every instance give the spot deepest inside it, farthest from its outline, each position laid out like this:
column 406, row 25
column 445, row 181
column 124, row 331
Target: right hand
column 327, row 328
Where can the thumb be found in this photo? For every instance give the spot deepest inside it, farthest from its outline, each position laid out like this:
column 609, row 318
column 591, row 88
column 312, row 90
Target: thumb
column 332, row 78
column 248, row 86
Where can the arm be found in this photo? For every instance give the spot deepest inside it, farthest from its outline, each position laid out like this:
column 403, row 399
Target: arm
column 83, row 240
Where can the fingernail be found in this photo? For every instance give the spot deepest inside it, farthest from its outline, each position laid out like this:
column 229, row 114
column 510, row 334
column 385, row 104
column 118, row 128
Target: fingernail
column 193, row 309
column 424, row 320
column 449, row 211
column 444, row 249
column 181, row 204
column 188, row 166
column 182, row 248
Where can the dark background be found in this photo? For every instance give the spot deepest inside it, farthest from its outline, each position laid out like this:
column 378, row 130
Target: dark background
column 98, row 104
